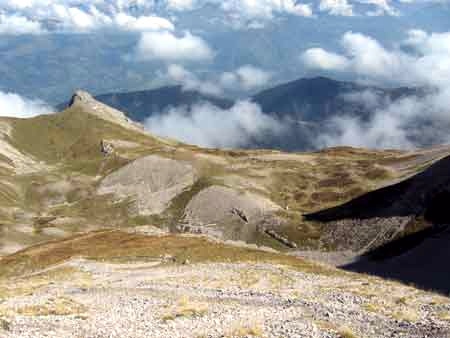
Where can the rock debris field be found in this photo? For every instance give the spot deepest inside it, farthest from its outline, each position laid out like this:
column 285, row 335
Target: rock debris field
column 92, row 299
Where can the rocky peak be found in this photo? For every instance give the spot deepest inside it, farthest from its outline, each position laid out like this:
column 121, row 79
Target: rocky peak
column 85, row 101
column 81, row 96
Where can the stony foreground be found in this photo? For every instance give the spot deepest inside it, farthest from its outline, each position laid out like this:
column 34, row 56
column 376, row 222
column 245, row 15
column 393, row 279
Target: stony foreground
column 161, row 298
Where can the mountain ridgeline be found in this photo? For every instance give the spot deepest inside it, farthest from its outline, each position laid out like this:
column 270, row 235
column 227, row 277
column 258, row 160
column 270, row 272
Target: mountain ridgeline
column 305, row 106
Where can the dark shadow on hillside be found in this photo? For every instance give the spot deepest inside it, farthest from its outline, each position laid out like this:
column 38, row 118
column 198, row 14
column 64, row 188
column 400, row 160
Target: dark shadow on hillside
column 421, row 259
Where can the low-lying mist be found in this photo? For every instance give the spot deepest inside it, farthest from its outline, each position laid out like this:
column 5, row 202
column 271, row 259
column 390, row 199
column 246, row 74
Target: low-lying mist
column 14, row 105
column 209, row 126
column 409, row 122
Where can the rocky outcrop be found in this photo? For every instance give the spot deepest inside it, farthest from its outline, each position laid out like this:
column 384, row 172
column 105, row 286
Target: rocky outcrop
column 150, row 182
column 86, row 101
column 106, row 148
column 283, row 240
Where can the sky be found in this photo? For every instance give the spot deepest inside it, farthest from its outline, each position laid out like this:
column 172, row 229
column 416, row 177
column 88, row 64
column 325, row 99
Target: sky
column 233, row 48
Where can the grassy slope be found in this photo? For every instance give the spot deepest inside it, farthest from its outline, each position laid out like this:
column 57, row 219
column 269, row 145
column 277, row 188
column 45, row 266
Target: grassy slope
column 113, row 245
column 71, row 139
column 69, row 145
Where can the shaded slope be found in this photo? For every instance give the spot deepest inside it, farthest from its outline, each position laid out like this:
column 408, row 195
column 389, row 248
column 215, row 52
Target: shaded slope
column 420, row 259
column 401, row 229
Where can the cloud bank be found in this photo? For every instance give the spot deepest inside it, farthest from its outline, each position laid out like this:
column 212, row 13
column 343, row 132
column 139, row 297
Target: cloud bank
column 39, row 16
column 45, row 16
column 420, row 60
column 190, row 81
column 13, row 105
column 244, row 78
column 209, row 126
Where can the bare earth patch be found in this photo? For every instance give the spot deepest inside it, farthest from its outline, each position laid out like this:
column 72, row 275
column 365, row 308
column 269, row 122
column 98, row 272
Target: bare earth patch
column 150, row 182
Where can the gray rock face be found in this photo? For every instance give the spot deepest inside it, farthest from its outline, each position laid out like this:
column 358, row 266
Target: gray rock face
column 106, row 148
column 152, row 182
column 218, row 204
column 85, row 101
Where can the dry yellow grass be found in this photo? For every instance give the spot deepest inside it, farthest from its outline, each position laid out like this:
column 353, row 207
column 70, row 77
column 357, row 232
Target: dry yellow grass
column 407, row 315
column 346, row 332
column 248, row 330
column 444, row 315
column 110, row 244
column 372, row 308
column 187, row 309
column 30, row 284
column 61, row 306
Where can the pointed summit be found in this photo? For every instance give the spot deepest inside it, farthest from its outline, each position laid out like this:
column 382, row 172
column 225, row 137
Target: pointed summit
column 81, row 96
column 85, row 101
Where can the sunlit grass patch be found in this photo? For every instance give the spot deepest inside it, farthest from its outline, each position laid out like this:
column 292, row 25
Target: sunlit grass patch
column 407, row 314
column 113, row 244
column 60, row 306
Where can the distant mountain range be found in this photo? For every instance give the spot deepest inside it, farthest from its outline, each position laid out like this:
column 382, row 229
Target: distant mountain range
column 140, row 105
column 320, row 98
column 305, row 105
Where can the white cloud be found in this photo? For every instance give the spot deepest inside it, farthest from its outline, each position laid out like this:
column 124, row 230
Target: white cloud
column 265, row 8
column 189, row 81
column 403, row 124
column 369, row 99
column 336, row 7
column 346, row 7
column 429, row 64
column 169, row 47
column 205, row 125
column 412, row 121
column 16, row 24
column 319, row 58
column 367, row 56
column 247, row 77
column 13, row 105
column 77, row 16
column 143, row 23
column 381, row 7
column 244, row 78
column 181, row 5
